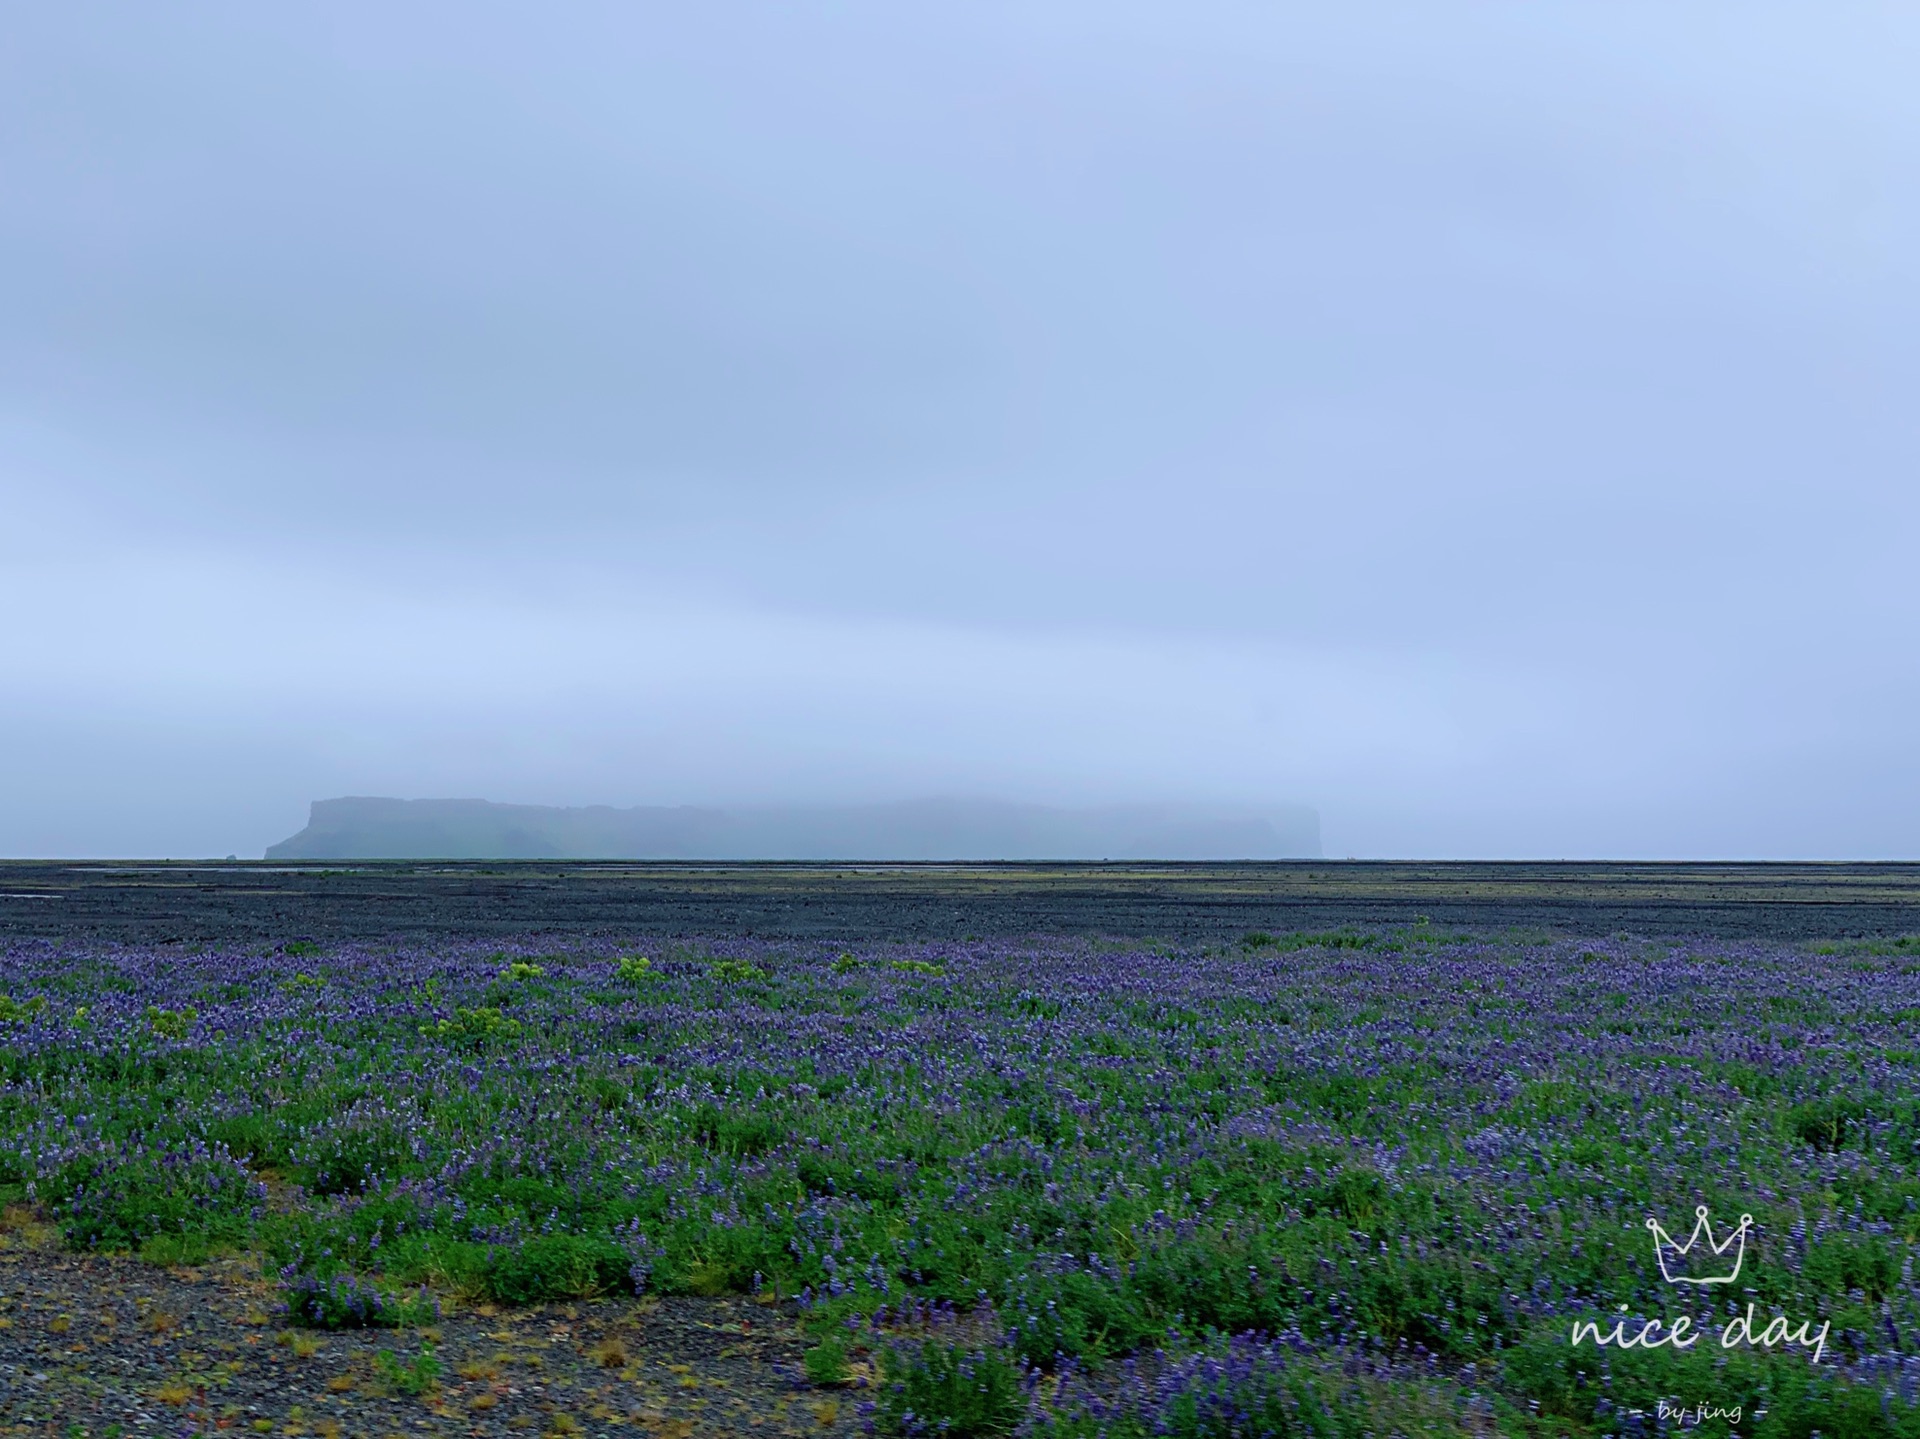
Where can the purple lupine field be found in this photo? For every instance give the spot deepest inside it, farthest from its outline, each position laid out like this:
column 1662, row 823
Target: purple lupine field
column 1341, row 1184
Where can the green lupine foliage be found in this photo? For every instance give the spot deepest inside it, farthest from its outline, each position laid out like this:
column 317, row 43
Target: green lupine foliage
column 1412, row 1160
column 825, row 1364
column 950, row 1390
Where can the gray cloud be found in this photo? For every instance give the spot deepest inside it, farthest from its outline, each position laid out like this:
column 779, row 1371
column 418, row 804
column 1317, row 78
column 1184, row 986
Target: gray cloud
column 1490, row 428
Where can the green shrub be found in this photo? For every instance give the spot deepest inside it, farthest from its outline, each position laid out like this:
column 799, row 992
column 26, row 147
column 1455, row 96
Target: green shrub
column 519, row 971
column 1843, row 1262
column 345, row 1156
column 170, row 1023
column 736, row 971
column 556, row 1266
column 475, row 1028
column 344, row 1301
column 942, row 1389
column 414, row 1377
column 1800, row 1399
column 120, row 1202
column 12, row 1011
column 1830, row 1123
column 733, row 1132
column 1333, row 939
column 918, row 966
column 1086, row 1316
column 171, row 1249
column 826, row 1363
column 635, row 969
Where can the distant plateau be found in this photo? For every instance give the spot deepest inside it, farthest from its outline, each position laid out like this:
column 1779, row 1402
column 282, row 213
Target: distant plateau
column 931, row 829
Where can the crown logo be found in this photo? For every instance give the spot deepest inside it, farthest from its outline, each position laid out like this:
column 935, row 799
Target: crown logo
column 1702, row 1259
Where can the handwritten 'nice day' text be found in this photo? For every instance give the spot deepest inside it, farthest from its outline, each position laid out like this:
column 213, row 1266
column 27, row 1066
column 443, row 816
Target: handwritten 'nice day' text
column 1679, row 1334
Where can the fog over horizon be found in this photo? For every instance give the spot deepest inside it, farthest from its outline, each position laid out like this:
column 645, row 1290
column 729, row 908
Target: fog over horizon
column 1491, row 426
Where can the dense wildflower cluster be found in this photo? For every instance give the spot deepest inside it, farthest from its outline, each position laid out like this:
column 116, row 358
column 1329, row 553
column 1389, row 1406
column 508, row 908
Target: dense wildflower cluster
column 1407, row 1161
column 123, row 1197
column 345, row 1301
column 1249, row 1386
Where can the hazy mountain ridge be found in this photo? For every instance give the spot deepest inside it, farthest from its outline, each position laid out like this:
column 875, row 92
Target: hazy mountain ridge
column 936, row 829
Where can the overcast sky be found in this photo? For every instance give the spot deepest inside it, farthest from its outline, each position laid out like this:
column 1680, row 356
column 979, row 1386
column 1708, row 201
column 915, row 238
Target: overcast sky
column 1493, row 424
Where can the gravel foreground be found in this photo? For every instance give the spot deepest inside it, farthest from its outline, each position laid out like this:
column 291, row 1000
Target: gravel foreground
column 94, row 1345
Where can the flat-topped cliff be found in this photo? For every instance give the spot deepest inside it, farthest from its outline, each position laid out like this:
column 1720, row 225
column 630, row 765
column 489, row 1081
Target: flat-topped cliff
column 935, row 829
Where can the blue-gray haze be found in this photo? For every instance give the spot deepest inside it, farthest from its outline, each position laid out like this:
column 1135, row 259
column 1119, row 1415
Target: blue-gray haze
column 1492, row 424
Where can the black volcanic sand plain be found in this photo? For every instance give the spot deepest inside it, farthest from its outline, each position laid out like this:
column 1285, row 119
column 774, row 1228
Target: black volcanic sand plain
column 149, row 903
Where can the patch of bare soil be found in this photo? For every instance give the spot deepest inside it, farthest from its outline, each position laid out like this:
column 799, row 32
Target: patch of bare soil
column 94, row 1345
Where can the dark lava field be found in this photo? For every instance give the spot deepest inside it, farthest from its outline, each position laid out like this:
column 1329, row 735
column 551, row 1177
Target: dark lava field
column 152, row 902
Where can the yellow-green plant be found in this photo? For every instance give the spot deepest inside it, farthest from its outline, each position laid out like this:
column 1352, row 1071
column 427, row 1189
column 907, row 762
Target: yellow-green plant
column 12, row 1010
column 170, row 1023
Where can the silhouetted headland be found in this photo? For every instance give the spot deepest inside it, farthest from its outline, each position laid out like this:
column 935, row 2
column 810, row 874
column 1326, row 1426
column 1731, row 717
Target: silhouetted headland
column 932, row 829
